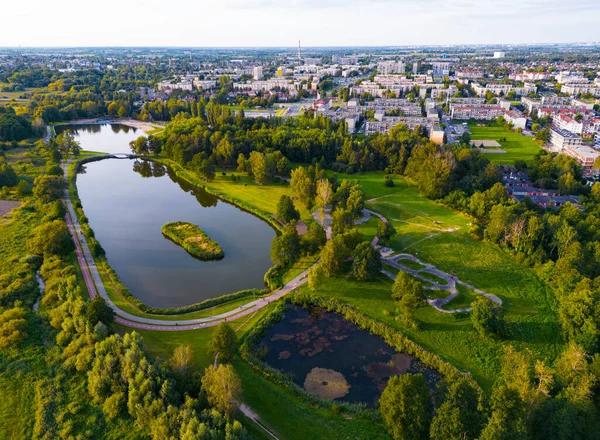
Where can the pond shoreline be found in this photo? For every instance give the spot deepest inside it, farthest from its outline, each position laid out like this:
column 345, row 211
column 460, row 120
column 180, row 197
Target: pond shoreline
column 139, row 305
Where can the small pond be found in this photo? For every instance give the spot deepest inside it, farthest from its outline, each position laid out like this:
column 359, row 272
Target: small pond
column 106, row 138
column 334, row 358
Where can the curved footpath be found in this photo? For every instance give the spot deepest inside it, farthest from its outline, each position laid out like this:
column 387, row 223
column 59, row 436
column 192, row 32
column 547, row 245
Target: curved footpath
column 95, row 286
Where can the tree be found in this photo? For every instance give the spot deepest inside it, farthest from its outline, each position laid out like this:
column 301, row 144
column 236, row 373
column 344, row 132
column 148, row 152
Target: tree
column 51, row 238
column 13, row 324
column 431, row 166
column 460, row 416
column 8, row 177
column 222, row 388
column 207, row 169
column 242, row 165
column 139, row 145
column 285, row 249
column 406, row 407
column 404, row 285
column 315, row 277
column 258, row 165
column 23, row 188
column 314, row 239
column 385, row 231
column 341, row 220
column 223, row 341
column 181, row 361
column 366, row 262
column 487, row 317
column 48, row 188
column 324, row 193
column 508, row 418
column 333, row 255
column 98, row 311
column 303, row 185
column 67, row 144
column 286, row 211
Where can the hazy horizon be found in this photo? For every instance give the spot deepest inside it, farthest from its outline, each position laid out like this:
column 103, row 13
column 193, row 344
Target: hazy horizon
column 323, row 23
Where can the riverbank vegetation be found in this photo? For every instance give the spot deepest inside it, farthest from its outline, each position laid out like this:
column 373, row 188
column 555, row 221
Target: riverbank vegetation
column 193, row 239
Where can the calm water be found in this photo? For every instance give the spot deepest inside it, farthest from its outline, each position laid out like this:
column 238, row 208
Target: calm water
column 106, row 138
column 314, row 338
column 128, row 201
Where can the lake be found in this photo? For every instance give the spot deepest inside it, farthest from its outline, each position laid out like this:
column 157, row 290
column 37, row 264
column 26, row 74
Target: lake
column 333, row 358
column 128, row 201
column 106, row 138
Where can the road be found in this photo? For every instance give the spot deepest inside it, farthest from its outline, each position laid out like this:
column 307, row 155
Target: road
column 95, row 287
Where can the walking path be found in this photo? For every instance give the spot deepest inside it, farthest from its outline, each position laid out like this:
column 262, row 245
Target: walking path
column 95, row 287
column 450, row 286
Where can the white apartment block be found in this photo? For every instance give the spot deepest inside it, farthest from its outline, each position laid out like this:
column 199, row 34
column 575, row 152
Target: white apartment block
column 205, row 84
column 529, row 76
column 516, row 118
column 441, row 68
column 169, row 85
column 576, row 89
column 566, row 122
column 486, row 112
column 496, row 89
column 390, row 67
column 562, row 139
column 258, row 73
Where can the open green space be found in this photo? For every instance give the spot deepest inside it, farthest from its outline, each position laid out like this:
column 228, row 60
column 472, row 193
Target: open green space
column 410, row 264
column 262, row 197
column 516, row 146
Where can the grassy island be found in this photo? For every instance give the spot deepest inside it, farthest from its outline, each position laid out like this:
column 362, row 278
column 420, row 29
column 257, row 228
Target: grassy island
column 193, row 239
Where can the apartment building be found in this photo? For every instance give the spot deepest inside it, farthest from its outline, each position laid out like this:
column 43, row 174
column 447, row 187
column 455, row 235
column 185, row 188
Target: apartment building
column 516, row 118
column 565, row 122
column 391, row 67
column 486, row 112
column 258, row 73
column 576, row 89
column 562, row 139
column 496, row 89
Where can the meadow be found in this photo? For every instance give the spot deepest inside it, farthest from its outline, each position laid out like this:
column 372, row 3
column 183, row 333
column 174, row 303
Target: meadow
column 517, row 147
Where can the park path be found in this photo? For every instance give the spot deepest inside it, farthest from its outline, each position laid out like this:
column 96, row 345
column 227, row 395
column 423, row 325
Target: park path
column 95, row 286
column 450, row 286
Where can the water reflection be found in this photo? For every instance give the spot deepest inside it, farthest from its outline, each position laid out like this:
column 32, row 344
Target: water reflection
column 128, row 201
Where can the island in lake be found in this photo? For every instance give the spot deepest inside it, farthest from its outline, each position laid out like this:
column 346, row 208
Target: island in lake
column 193, row 239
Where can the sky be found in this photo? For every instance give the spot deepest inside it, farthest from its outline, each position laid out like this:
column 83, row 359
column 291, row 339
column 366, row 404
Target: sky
column 264, row 23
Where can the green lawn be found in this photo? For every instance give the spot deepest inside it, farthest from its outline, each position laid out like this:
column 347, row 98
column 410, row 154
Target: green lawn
column 516, row 145
column 439, row 236
column 262, row 197
column 464, row 298
column 372, row 182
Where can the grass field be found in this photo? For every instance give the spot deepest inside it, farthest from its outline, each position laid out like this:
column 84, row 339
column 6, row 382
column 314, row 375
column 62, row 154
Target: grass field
column 263, row 197
column 516, row 145
column 439, row 236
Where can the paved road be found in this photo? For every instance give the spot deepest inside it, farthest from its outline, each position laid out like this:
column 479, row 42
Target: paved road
column 95, row 287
